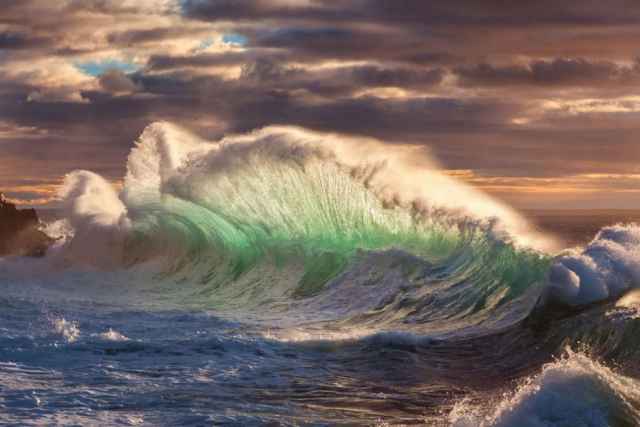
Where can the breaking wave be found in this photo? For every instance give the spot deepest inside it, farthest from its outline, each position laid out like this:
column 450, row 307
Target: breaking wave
column 303, row 206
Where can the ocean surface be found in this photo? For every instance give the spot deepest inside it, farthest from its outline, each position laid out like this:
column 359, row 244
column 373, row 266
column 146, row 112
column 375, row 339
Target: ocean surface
column 285, row 277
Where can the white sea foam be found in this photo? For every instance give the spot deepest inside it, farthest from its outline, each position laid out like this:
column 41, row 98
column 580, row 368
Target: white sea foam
column 113, row 335
column 70, row 330
column 573, row 391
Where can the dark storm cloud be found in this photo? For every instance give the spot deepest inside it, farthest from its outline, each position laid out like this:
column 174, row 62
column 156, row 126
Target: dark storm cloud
column 560, row 71
column 414, row 29
column 382, row 44
column 398, row 77
column 504, row 13
column 224, row 9
column 375, row 117
column 168, row 62
column 339, row 81
column 309, row 38
column 245, row 105
column 247, row 10
column 134, row 37
column 420, row 12
column 272, row 72
column 16, row 40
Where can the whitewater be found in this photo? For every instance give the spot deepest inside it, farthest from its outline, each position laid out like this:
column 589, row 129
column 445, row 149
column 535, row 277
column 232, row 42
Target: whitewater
column 289, row 277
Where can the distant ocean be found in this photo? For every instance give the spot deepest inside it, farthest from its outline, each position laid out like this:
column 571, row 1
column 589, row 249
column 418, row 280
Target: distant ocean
column 285, row 278
column 576, row 227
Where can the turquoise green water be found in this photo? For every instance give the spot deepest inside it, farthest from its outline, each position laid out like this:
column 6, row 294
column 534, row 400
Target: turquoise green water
column 313, row 220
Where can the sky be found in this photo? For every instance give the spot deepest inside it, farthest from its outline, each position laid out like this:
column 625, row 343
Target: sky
column 536, row 103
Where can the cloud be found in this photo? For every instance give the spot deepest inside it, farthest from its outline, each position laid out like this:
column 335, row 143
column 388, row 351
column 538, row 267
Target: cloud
column 503, row 89
column 20, row 40
column 115, row 81
column 418, row 12
column 556, row 72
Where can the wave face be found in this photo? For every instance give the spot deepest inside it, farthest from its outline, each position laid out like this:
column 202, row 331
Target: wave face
column 342, row 279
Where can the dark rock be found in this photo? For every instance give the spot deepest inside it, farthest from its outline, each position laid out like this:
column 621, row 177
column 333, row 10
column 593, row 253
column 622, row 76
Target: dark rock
column 20, row 232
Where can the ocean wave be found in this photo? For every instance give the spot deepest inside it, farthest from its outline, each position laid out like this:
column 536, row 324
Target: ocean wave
column 301, row 211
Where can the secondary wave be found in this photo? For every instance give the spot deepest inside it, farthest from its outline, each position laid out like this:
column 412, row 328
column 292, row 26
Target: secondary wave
column 573, row 390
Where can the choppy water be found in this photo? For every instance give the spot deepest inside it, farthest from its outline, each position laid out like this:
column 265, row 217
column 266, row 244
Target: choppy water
column 282, row 278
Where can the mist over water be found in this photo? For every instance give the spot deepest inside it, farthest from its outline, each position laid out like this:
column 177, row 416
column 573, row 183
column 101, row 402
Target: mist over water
column 290, row 277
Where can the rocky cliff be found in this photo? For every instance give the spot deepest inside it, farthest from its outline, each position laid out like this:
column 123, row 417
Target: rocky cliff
column 20, row 231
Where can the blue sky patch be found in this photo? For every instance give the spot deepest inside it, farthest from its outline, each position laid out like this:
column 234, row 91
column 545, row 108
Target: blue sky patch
column 233, row 38
column 96, row 68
